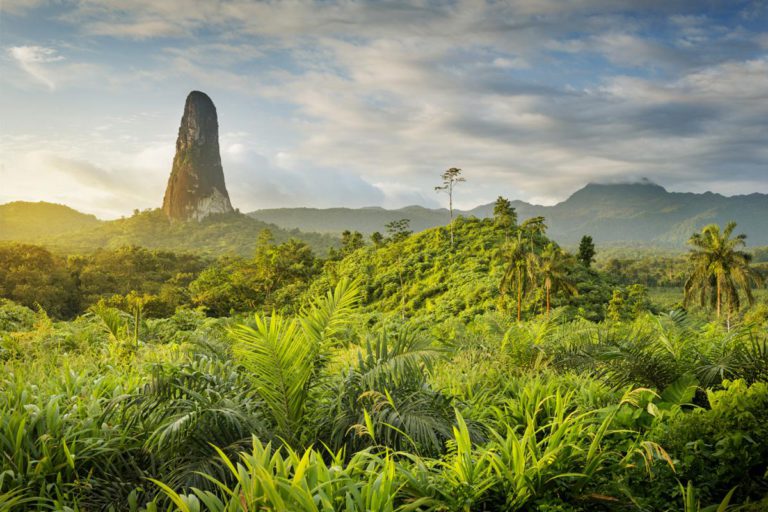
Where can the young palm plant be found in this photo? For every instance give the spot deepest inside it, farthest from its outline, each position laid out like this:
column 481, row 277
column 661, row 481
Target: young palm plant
column 283, row 356
column 180, row 413
column 385, row 399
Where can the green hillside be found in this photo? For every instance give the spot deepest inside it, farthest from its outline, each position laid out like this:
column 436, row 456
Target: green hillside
column 25, row 221
column 422, row 276
column 216, row 235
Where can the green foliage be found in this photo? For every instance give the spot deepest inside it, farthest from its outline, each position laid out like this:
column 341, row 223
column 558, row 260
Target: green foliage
column 398, row 230
column 284, row 356
column 65, row 287
column 386, row 377
column 27, row 222
column 628, row 304
column 504, row 215
column 216, row 235
column 586, row 253
column 109, row 273
column 720, row 270
column 385, row 398
column 14, row 317
column 33, row 277
column 273, row 278
column 724, row 447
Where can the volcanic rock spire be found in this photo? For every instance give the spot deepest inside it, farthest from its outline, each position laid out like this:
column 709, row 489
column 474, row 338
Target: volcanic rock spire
column 196, row 187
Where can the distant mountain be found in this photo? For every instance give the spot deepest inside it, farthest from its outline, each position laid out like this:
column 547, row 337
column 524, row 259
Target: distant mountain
column 617, row 214
column 24, row 221
column 632, row 213
column 68, row 231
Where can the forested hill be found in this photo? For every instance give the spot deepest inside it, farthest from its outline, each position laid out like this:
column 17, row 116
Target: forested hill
column 638, row 213
column 65, row 230
column 26, row 221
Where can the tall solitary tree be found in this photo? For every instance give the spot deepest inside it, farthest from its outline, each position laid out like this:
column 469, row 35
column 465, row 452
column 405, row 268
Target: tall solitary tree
column 450, row 178
column 504, row 216
column 720, row 270
column 586, row 251
column 553, row 268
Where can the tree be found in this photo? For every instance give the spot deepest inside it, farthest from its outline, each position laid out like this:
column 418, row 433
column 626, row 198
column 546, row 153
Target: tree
column 519, row 272
column 136, row 303
column 504, row 215
column 399, row 230
column 351, row 241
column 534, row 228
column 553, row 268
column 719, row 269
column 586, row 251
column 616, row 305
column 450, row 178
column 377, row 239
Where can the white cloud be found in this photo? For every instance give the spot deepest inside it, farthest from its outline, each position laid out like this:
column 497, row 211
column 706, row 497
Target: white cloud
column 33, row 60
column 105, row 192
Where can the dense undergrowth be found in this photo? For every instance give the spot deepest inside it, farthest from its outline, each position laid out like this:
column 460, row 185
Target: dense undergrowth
column 322, row 412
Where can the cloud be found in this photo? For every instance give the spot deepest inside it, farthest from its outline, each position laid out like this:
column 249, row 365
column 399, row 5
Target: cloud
column 361, row 103
column 256, row 181
column 104, row 191
column 20, row 6
column 33, row 60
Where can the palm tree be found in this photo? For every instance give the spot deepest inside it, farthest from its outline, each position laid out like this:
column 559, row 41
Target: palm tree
column 553, row 269
column 720, row 269
column 534, row 228
column 519, row 272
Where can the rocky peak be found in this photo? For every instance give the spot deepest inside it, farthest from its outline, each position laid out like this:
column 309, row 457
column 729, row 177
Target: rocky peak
column 196, row 186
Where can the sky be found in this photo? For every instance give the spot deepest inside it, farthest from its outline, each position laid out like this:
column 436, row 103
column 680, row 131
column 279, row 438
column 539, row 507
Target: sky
column 365, row 103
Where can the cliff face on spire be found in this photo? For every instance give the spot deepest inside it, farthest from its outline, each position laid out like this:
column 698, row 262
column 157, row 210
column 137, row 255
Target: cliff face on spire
column 196, row 187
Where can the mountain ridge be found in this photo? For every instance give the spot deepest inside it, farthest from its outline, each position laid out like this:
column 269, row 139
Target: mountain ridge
column 613, row 213
column 634, row 214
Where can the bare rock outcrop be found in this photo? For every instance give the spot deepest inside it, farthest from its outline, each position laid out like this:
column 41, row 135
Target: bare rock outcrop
column 196, row 187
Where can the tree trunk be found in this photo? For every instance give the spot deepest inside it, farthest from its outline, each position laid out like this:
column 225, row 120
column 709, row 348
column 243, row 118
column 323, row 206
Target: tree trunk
column 450, row 209
column 548, row 287
column 402, row 286
column 718, row 297
column 519, row 296
column 136, row 322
